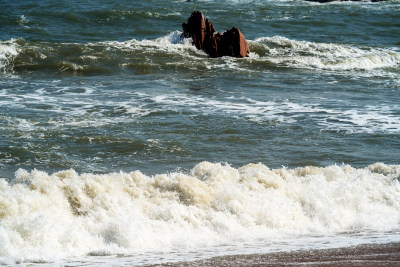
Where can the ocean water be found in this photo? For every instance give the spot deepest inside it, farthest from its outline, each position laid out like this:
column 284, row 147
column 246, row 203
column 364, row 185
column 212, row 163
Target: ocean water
column 120, row 143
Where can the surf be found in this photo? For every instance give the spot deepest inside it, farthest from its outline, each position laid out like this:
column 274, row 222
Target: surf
column 66, row 214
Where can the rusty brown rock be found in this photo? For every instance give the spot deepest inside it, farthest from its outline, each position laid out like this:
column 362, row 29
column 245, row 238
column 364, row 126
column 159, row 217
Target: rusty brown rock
column 231, row 43
column 234, row 44
column 195, row 28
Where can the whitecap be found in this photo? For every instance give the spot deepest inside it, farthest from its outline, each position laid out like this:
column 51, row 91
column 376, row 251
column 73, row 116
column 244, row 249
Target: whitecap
column 326, row 56
column 48, row 217
column 23, row 20
column 8, row 51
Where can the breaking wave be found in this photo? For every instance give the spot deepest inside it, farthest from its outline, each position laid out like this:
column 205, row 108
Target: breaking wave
column 137, row 57
column 8, row 52
column 174, row 53
column 46, row 217
column 301, row 54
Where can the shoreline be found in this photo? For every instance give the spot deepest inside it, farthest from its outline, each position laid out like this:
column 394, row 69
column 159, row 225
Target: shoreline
column 360, row 255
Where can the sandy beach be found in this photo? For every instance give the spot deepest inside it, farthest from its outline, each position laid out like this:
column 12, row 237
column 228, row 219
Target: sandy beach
column 362, row 255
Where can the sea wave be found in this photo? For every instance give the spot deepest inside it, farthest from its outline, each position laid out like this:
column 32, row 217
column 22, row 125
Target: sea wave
column 51, row 216
column 325, row 56
column 8, row 52
column 173, row 52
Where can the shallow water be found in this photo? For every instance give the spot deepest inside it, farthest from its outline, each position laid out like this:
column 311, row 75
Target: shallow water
column 110, row 88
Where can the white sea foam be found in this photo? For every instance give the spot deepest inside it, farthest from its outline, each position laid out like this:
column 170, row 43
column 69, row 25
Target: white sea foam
column 23, row 21
column 8, row 51
column 65, row 214
column 326, row 56
column 87, row 112
column 95, row 112
column 171, row 43
column 277, row 50
column 281, row 51
column 370, row 119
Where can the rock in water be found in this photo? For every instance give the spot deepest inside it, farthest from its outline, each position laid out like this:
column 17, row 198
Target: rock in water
column 234, row 44
column 195, row 28
column 231, row 43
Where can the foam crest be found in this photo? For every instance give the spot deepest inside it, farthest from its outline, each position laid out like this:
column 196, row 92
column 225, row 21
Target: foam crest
column 23, row 21
column 173, row 51
column 302, row 54
column 171, row 43
column 51, row 216
column 98, row 57
column 8, row 51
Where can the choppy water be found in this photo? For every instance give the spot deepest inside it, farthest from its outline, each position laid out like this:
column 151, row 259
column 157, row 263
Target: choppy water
column 134, row 133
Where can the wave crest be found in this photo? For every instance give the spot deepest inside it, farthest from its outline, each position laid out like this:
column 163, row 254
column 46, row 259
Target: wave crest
column 175, row 53
column 8, row 51
column 301, row 54
column 70, row 214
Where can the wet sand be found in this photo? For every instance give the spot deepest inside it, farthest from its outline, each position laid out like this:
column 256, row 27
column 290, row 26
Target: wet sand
column 362, row 255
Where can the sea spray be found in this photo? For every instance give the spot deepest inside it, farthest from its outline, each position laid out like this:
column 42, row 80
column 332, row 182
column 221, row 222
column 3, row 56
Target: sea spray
column 51, row 216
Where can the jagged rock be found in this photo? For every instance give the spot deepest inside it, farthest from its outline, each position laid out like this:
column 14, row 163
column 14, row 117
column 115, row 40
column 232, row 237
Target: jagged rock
column 234, row 44
column 231, row 43
column 195, row 28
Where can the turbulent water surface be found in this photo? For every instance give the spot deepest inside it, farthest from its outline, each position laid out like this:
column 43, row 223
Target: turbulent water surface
column 118, row 137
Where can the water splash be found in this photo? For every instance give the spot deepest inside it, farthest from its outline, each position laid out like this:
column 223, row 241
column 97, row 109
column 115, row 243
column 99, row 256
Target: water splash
column 51, row 216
